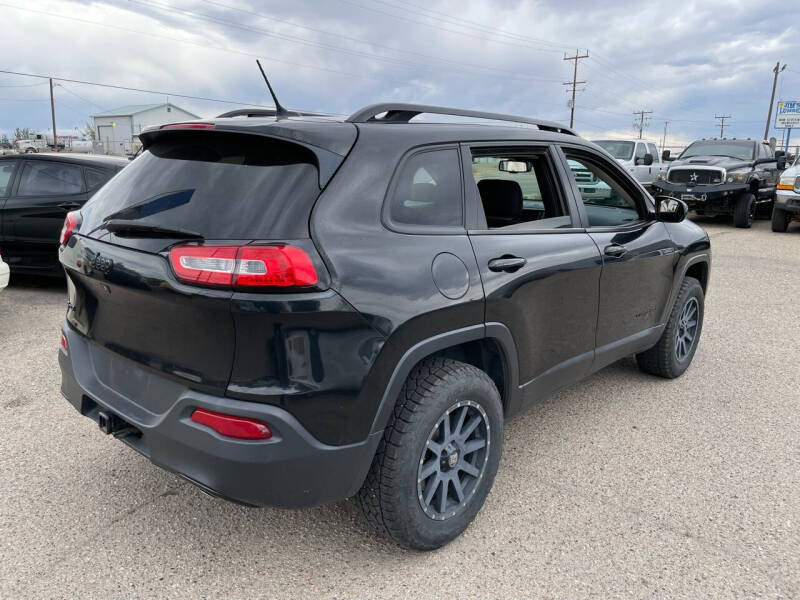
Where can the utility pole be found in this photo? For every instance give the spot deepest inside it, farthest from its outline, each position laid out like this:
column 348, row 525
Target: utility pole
column 53, row 114
column 778, row 69
column 664, row 139
column 721, row 119
column 574, row 83
column 641, row 114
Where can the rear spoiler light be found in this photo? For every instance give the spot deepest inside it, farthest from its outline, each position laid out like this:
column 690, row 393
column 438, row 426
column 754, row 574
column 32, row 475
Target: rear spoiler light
column 189, row 126
column 250, row 266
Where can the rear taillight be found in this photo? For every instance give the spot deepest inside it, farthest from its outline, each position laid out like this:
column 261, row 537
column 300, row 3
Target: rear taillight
column 244, row 266
column 64, row 345
column 72, row 220
column 243, row 428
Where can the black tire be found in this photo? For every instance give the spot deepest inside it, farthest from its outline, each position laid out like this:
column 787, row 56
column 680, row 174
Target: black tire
column 392, row 495
column 780, row 220
column 30, row 151
column 744, row 213
column 666, row 359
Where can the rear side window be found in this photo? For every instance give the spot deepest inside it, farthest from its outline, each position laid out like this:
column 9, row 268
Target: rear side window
column 222, row 186
column 427, row 191
column 41, row 178
column 95, row 178
column 6, row 175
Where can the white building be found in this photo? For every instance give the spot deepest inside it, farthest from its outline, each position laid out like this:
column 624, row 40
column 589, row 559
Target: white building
column 117, row 128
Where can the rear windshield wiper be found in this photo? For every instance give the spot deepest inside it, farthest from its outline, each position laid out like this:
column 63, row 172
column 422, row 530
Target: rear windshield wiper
column 123, row 227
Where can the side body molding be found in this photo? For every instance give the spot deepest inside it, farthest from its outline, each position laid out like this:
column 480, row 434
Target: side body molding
column 495, row 331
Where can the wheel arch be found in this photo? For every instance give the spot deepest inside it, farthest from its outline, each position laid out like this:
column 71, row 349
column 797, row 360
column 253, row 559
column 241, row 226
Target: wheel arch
column 699, row 267
column 489, row 347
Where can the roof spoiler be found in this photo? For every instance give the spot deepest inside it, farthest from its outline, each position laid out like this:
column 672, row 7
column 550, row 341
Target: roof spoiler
column 403, row 113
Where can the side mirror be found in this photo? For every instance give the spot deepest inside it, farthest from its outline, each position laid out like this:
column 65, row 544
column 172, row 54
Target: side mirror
column 670, row 210
column 648, row 159
column 781, row 163
column 779, row 153
column 665, row 155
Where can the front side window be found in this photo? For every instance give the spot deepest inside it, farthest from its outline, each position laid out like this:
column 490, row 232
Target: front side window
column 607, row 203
column 518, row 191
column 41, row 178
column 6, row 173
column 651, row 148
column 619, row 150
column 640, row 152
column 427, row 191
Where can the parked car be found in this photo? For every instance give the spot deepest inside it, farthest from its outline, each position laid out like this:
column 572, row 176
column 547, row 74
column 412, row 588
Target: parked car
column 36, row 191
column 787, row 199
column 6, row 148
column 298, row 310
column 724, row 177
column 640, row 157
column 4, row 273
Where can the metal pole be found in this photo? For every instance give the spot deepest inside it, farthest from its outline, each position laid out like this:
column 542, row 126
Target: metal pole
column 574, row 83
column 664, row 140
column 788, row 135
column 776, row 70
column 53, row 115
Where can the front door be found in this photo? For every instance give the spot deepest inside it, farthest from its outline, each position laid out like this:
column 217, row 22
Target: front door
column 540, row 270
column 638, row 258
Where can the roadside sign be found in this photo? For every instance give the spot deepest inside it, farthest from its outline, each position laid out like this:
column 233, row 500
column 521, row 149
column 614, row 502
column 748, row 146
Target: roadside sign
column 788, row 114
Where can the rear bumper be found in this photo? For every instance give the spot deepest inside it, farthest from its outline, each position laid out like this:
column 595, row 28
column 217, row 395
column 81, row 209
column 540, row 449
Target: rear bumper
column 291, row 469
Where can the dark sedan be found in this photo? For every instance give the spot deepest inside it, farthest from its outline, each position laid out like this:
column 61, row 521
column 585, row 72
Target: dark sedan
column 36, row 192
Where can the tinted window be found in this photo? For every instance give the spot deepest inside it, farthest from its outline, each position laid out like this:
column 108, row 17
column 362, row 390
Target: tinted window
column 95, row 178
column 40, row 178
column 606, row 202
column 518, row 191
column 222, row 186
column 428, row 190
column 6, row 173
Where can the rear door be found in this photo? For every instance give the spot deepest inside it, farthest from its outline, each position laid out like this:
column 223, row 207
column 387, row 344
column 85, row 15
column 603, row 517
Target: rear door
column 44, row 193
column 214, row 189
column 540, row 270
column 638, row 256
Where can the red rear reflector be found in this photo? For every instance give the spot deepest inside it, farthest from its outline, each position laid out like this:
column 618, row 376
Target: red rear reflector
column 242, row 428
column 64, row 342
column 244, row 266
column 71, row 221
column 189, row 126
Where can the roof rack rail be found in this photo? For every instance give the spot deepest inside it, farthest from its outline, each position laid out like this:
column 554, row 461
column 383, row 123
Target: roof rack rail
column 403, row 113
column 266, row 112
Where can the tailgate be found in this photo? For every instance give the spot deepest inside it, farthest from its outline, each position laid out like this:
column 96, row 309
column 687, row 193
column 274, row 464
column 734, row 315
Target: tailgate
column 129, row 302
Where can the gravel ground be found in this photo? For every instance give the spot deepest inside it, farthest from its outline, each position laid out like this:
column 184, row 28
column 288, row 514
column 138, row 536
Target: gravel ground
column 621, row 486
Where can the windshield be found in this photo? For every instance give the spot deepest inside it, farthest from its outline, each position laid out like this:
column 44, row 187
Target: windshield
column 740, row 150
column 619, row 150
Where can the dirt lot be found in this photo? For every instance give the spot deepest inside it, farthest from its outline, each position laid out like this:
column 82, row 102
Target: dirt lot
column 621, row 486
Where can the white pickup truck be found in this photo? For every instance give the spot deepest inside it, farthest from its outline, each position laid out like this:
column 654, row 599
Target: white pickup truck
column 641, row 158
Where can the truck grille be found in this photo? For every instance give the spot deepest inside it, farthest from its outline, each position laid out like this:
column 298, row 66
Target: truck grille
column 584, row 177
column 695, row 176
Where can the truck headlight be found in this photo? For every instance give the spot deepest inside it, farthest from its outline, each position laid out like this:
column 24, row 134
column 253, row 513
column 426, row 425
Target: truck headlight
column 661, row 176
column 737, row 177
column 789, row 183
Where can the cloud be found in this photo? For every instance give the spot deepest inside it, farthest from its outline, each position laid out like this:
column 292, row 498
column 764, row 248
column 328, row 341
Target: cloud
column 685, row 61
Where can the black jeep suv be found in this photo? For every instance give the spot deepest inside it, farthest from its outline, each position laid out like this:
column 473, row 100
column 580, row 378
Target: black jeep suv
column 724, row 177
column 298, row 310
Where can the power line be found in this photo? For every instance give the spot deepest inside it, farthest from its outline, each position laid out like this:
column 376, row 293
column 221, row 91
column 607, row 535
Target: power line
column 721, row 119
column 641, row 114
column 574, row 83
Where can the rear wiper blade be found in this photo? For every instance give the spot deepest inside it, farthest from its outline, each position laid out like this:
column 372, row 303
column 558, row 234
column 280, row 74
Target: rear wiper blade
column 130, row 229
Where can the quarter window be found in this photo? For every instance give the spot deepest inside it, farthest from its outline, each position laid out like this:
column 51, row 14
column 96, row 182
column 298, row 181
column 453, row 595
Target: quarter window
column 518, row 191
column 427, row 191
column 606, row 202
column 40, row 178
column 96, row 178
column 6, row 174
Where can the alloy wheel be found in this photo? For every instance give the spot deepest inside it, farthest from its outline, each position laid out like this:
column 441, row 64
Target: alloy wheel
column 686, row 331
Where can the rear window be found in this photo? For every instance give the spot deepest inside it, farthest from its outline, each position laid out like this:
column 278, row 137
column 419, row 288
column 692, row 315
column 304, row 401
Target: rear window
column 222, row 186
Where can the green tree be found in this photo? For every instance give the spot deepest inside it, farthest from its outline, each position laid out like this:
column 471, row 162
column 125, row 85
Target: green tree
column 22, row 133
column 89, row 132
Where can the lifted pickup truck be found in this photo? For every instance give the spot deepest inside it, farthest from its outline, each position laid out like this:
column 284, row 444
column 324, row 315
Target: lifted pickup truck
column 724, row 177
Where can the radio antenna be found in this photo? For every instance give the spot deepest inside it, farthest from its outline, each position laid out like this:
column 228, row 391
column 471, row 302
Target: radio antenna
column 280, row 111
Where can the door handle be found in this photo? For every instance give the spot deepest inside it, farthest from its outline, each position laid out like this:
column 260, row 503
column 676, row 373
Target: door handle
column 69, row 205
column 615, row 250
column 509, row 264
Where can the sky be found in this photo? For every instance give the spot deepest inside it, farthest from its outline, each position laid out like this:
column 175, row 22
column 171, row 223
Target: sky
column 684, row 61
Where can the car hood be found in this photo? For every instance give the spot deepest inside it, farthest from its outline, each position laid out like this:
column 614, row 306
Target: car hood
column 723, row 162
column 791, row 171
